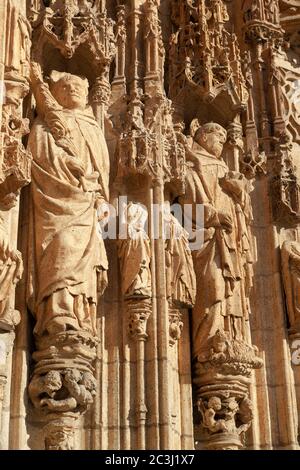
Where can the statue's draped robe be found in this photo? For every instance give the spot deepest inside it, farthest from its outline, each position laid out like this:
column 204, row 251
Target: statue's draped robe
column 135, row 255
column 181, row 284
column 290, row 258
column 65, row 249
column 223, row 264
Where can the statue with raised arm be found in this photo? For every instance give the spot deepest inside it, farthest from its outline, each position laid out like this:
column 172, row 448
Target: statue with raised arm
column 70, row 174
column 223, row 264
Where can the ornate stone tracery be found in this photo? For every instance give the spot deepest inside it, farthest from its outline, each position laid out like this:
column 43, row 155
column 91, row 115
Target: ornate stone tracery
column 139, row 321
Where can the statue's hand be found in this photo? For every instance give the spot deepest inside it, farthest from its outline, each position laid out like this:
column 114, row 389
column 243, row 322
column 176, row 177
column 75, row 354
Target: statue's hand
column 234, row 182
column 75, row 166
column 225, row 221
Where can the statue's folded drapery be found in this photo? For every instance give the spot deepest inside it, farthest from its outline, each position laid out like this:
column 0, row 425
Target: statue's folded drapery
column 66, row 251
column 223, row 265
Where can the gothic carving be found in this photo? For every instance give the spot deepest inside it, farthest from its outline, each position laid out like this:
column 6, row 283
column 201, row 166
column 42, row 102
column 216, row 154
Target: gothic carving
column 228, row 356
column 69, row 390
column 204, row 56
column 59, row 435
column 199, row 104
column 290, row 258
column 135, row 254
column 10, row 273
column 223, row 267
column 224, row 416
column 149, row 111
column 285, row 185
column 226, row 253
column 71, row 153
column 15, row 160
column 121, row 36
column 15, row 168
column 181, row 283
column 70, row 23
column 261, row 18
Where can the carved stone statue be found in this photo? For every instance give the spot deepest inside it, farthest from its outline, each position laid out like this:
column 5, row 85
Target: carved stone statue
column 181, row 282
column 18, row 34
column 69, row 182
column 134, row 254
column 290, row 258
column 11, row 270
column 223, row 265
column 63, row 392
column 225, row 416
column 210, row 413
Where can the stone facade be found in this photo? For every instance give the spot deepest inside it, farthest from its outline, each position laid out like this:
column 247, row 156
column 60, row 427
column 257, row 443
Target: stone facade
column 149, row 224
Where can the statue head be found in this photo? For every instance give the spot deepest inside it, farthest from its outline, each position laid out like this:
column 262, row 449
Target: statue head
column 53, row 382
column 137, row 216
column 211, row 137
column 73, row 375
column 215, row 403
column 89, row 381
column 70, row 91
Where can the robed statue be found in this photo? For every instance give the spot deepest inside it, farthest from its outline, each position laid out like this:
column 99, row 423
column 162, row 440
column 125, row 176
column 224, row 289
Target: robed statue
column 223, row 264
column 70, row 175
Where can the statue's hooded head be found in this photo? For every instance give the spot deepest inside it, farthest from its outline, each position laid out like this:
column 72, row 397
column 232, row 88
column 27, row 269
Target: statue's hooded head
column 70, row 91
column 211, row 137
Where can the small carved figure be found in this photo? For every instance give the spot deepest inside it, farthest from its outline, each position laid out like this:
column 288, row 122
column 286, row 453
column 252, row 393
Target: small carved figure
column 209, row 414
column 135, row 254
column 48, row 384
column 11, row 270
column 181, row 282
column 61, row 391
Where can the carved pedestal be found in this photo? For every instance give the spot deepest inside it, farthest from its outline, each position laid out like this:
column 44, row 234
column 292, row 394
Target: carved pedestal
column 222, row 378
column 63, row 384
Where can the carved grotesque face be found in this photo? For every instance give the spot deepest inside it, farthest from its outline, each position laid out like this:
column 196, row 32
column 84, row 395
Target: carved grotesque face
column 89, row 381
column 71, row 92
column 53, row 381
column 212, row 139
column 215, row 403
